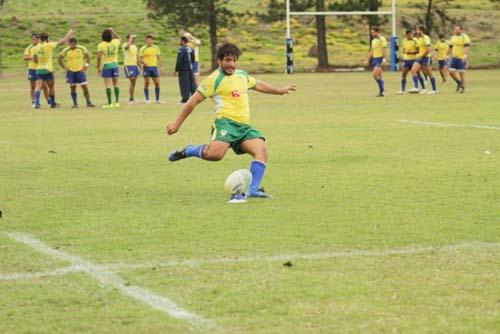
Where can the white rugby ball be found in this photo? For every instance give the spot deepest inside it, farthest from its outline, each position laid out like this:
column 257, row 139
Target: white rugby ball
column 238, row 182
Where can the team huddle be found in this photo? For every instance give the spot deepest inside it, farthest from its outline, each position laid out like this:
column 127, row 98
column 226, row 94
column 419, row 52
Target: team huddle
column 75, row 60
column 417, row 57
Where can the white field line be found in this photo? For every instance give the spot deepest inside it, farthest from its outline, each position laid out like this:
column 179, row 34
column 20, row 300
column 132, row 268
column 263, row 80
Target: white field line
column 450, row 125
column 244, row 259
column 110, row 279
column 310, row 256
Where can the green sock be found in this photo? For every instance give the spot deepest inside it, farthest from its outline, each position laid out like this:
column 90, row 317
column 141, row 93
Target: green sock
column 117, row 94
column 108, row 94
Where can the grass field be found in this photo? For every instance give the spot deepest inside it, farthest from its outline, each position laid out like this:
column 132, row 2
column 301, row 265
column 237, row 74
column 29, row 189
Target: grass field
column 390, row 226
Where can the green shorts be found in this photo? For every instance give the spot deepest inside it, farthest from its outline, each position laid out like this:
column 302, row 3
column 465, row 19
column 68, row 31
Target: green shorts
column 234, row 133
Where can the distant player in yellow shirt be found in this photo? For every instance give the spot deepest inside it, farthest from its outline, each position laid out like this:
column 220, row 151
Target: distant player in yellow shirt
column 131, row 64
column 194, row 43
column 228, row 88
column 107, row 64
column 377, row 56
column 28, row 57
column 423, row 62
column 459, row 51
column 75, row 60
column 409, row 47
column 442, row 47
column 149, row 58
column 45, row 67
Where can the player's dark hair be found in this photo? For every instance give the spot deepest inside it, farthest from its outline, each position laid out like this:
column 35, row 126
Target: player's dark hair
column 72, row 40
column 421, row 27
column 35, row 35
column 184, row 39
column 441, row 35
column 376, row 29
column 149, row 36
column 459, row 25
column 228, row 49
column 409, row 31
column 44, row 37
column 106, row 35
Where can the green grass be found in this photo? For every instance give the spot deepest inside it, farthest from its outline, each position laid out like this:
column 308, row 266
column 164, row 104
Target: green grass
column 263, row 43
column 345, row 173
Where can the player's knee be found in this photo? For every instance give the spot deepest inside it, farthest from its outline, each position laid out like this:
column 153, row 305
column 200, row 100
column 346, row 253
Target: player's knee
column 212, row 155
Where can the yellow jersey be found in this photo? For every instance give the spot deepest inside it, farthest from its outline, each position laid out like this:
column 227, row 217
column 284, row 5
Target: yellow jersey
column 378, row 44
column 230, row 94
column 441, row 48
column 75, row 58
column 423, row 42
column 28, row 52
column 149, row 55
column 130, row 55
column 410, row 48
column 109, row 52
column 458, row 44
column 195, row 46
column 43, row 52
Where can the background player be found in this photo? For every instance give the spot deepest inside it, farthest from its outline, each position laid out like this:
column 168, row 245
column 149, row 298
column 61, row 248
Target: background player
column 410, row 51
column 149, row 57
column 184, row 70
column 194, row 43
column 442, row 47
column 131, row 64
column 377, row 56
column 75, row 60
column 28, row 56
column 107, row 64
column 423, row 62
column 229, row 87
column 459, row 51
column 45, row 67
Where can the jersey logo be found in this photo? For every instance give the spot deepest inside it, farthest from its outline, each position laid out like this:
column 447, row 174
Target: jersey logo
column 223, row 133
column 235, row 93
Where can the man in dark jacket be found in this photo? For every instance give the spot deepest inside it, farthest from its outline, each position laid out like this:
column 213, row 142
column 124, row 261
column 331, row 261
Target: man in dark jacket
column 184, row 69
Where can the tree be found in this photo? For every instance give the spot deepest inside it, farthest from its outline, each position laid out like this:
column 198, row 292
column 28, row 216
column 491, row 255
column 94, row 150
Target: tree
column 360, row 5
column 435, row 17
column 2, row 3
column 321, row 35
column 276, row 9
column 184, row 14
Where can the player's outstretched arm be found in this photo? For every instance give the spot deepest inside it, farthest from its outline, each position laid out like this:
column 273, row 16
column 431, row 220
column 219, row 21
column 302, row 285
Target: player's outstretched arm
column 188, row 108
column 264, row 87
column 114, row 34
column 129, row 42
column 63, row 40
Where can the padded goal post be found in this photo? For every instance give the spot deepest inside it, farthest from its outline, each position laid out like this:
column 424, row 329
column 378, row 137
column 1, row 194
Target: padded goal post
column 393, row 58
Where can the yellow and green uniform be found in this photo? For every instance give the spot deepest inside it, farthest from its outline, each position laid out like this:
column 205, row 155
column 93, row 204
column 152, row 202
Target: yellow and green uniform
column 410, row 49
column 75, row 58
column 232, row 108
column 195, row 46
column 130, row 55
column 28, row 52
column 458, row 43
column 149, row 55
column 423, row 42
column 378, row 44
column 43, row 51
column 441, row 48
column 109, row 51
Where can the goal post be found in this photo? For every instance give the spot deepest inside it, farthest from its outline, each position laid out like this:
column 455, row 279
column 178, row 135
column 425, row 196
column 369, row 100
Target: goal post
column 393, row 41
